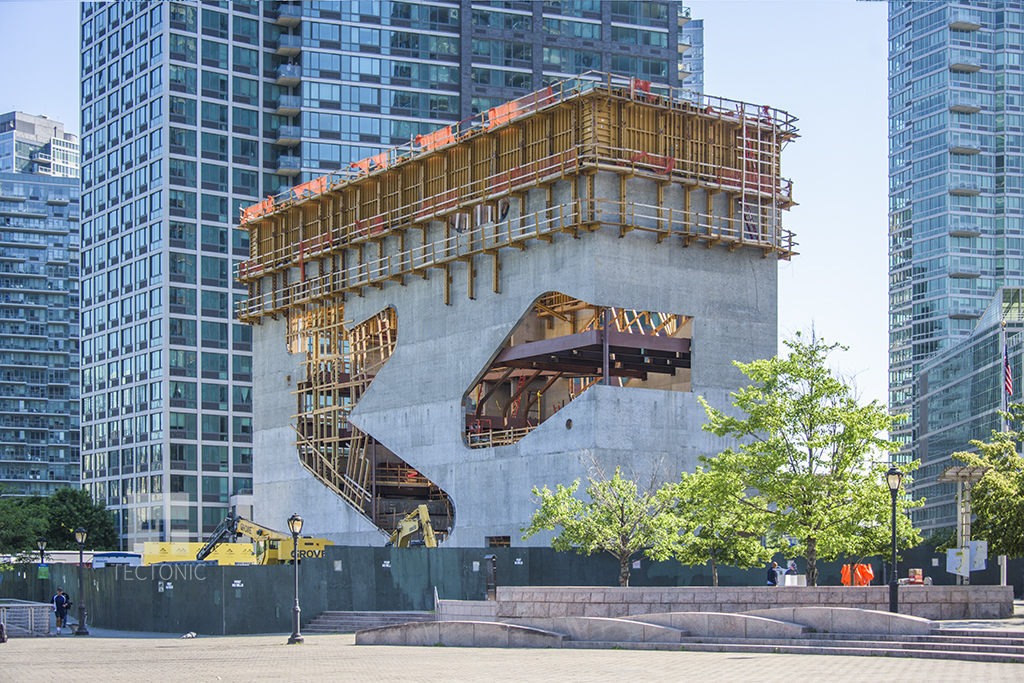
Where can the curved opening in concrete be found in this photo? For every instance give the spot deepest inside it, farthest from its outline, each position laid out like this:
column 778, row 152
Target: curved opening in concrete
column 342, row 360
column 558, row 351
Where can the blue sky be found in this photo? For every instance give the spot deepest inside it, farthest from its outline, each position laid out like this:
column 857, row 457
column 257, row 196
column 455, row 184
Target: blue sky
column 823, row 61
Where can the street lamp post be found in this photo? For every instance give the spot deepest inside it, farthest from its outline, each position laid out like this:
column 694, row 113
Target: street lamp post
column 80, row 535
column 295, row 525
column 894, row 478
column 41, row 544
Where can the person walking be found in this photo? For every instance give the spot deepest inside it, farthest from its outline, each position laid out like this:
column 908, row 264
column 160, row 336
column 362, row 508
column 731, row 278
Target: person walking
column 773, row 576
column 60, row 603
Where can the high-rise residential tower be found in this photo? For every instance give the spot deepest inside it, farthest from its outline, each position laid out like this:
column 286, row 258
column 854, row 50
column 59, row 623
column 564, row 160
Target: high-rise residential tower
column 37, row 145
column 955, row 205
column 191, row 111
column 39, row 323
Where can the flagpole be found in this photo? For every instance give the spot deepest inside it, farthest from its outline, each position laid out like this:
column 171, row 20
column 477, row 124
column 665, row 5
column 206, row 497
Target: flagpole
column 1007, row 377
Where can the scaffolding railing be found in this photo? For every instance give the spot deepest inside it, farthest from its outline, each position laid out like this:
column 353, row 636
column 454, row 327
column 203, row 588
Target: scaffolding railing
column 583, row 214
column 721, row 108
column 755, row 189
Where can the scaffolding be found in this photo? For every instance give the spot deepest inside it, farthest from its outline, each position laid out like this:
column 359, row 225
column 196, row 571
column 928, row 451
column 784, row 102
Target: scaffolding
column 459, row 196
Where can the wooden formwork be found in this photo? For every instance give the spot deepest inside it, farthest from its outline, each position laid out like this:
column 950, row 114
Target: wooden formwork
column 634, row 134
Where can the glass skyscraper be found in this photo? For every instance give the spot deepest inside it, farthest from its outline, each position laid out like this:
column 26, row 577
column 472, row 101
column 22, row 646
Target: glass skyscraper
column 193, row 110
column 39, row 298
column 955, row 183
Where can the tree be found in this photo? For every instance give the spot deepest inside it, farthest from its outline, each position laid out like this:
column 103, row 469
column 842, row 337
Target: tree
column 805, row 454
column 73, row 508
column 55, row 517
column 715, row 525
column 22, row 521
column 998, row 499
column 619, row 519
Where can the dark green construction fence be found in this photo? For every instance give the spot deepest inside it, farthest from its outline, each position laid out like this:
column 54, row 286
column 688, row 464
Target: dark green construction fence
column 237, row 600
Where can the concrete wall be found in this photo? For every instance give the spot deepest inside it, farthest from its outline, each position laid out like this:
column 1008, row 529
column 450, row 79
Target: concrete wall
column 281, row 485
column 413, row 407
column 399, row 579
column 522, row 604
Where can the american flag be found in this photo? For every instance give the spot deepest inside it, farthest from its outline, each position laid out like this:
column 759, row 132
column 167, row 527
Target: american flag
column 1007, row 375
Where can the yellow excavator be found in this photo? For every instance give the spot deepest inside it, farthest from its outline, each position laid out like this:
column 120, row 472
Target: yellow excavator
column 269, row 546
column 416, row 521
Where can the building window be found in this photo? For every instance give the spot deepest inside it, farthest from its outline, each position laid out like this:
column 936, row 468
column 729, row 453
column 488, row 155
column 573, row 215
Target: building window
column 215, row 54
column 183, row 456
column 215, row 24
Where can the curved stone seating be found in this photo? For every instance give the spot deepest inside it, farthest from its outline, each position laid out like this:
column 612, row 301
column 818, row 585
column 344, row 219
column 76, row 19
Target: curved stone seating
column 459, row 634
column 602, row 629
column 723, row 625
column 849, row 620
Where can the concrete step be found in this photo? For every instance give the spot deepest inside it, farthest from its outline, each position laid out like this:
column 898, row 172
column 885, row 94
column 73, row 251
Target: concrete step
column 937, row 639
column 350, row 622
column 864, row 642
column 978, row 633
column 797, row 647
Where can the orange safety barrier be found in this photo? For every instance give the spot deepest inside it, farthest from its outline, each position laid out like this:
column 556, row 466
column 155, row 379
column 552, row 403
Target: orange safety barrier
column 862, row 575
column 310, row 189
column 380, row 161
column 438, row 138
column 501, row 114
column 256, row 210
column 363, row 165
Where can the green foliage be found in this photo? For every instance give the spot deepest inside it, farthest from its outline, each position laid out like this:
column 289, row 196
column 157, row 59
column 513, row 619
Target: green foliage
column 805, row 455
column 55, row 518
column 619, row 519
column 998, row 499
column 941, row 539
column 715, row 526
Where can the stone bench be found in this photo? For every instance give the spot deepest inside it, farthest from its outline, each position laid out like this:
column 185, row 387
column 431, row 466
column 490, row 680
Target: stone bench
column 598, row 629
column 849, row 620
column 721, row 625
column 459, row 634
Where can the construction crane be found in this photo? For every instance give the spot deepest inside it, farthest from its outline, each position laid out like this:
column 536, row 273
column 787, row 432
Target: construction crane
column 416, row 521
column 271, row 547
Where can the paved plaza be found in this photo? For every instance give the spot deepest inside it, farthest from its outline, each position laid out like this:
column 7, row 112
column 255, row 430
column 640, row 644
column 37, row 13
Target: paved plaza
column 110, row 656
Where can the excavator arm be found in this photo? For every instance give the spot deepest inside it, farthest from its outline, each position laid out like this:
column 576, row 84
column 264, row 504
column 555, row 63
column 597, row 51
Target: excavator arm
column 258, row 532
column 239, row 526
column 416, row 521
column 224, row 529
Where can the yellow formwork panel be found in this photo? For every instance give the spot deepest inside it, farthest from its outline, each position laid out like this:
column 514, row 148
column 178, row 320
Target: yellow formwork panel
column 630, row 132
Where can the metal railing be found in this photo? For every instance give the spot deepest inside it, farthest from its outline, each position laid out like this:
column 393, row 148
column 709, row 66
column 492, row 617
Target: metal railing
column 490, row 237
column 24, row 618
column 612, row 85
column 749, row 184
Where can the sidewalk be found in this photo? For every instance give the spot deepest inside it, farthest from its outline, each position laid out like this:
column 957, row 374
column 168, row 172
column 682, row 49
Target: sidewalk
column 257, row 659
column 1014, row 623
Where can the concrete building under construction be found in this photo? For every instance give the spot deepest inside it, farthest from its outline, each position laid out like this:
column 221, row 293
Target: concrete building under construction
column 456, row 321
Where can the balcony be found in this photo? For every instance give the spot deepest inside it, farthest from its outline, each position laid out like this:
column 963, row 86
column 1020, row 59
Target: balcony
column 964, row 144
column 288, row 166
column 964, row 21
column 288, row 136
column 958, row 312
column 288, row 75
column 964, row 271
column 288, row 46
column 288, row 15
column 964, row 189
column 965, row 228
column 964, row 103
column 964, row 64
column 288, row 105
